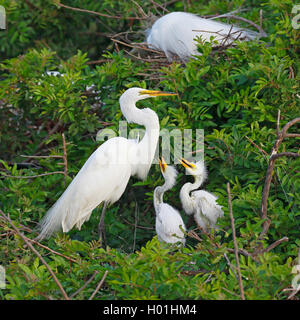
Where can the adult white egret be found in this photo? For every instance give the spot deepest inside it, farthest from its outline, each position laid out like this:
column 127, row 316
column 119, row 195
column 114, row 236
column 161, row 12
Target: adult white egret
column 168, row 219
column 175, row 32
column 104, row 176
column 202, row 204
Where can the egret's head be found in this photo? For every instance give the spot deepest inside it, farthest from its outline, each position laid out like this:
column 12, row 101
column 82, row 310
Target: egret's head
column 195, row 169
column 168, row 172
column 136, row 94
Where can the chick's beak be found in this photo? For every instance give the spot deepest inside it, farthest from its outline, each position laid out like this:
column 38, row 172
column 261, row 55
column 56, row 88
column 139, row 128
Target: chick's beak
column 162, row 164
column 187, row 164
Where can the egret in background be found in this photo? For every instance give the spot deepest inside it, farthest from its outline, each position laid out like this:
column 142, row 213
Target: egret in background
column 175, row 33
column 168, row 220
column 104, row 176
column 202, row 204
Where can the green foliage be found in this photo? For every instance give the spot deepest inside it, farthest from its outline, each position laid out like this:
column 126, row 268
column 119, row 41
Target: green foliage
column 233, row 94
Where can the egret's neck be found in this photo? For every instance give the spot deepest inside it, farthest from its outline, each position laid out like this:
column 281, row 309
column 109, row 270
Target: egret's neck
column 158, row 194
column 148, row 144
column 146, row 148
column 158, row 197
column 185, row 191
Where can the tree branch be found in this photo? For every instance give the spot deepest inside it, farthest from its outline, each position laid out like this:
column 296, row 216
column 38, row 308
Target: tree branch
column 274, row 155
column 236, row 249
column 85, row 285
column 59, row 4
column 26, row 240
column 30, row 177
column 99, row 285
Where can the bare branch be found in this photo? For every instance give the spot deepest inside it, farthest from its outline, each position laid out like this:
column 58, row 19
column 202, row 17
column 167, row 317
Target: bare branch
column 275, row 244
column 231, row 267
column 259, row 148
column 285, row 154
column 52, row 251
column 65, row 157
column 99, row 285
column 274, row 155
column 53, row 130
column 292, row 135
column 278, row 123
column 41, row 157
column 244, row 253
column 98, row 13
column 26, row 240
column 260, row 30
column 85, row 285
column 30, row 177
column 236, row 249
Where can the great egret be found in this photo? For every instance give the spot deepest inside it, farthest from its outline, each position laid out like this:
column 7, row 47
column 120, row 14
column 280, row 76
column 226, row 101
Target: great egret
column 104, row 176
column 168, row 220
column 174, row 33
column 202, row 204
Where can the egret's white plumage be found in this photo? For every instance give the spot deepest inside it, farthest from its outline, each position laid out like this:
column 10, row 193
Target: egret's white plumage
column 174, row 33
column 202, row 204
column 168, row 219
column 104, row 176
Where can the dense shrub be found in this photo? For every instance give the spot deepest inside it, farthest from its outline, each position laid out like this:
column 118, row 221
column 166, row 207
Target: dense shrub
column 233, row 94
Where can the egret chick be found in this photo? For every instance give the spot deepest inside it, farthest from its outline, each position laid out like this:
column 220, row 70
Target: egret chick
column 168, row 219
column 175, row 33
column 202, row 204
column 104, row 176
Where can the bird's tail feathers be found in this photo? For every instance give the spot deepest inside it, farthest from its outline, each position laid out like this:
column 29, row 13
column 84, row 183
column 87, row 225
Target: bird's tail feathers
column 52, row 222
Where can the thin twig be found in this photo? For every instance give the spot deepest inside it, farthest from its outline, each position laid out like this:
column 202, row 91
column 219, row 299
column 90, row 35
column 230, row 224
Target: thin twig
column 52, row 251
column 85, row 285
column 41, row 157
column 30, row 177
column 285, row 154
column 275, row 244
column 43, row 246
column 261, row 31
column 160, row 6
column 65, row 157
column 259, row 148
column 231, row 266
column 278, row 123
column 98, row 13
column 236, row 249
column 99, row 285
column 194, row 235
column 53, row 130
column 244, row 253
column 26, row 240
column 135, row 225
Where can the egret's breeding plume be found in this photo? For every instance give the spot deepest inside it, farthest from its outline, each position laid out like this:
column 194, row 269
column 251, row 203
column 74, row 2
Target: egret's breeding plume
column 202, row 204
column 175, row 33
column 104, row 176
column 168, row 224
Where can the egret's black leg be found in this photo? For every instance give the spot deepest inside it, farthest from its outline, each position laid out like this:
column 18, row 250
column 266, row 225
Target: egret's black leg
column 101, row 226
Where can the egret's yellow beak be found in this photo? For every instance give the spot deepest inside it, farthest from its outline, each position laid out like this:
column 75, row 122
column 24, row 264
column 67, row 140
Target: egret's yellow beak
column 155, row 93
column 187, row 164
column 162, row 164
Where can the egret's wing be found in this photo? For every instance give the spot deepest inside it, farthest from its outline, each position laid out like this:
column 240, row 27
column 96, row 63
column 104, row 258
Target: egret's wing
column 168, row 222
column 175, row 33
column 103, row 177
column 207, row 203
